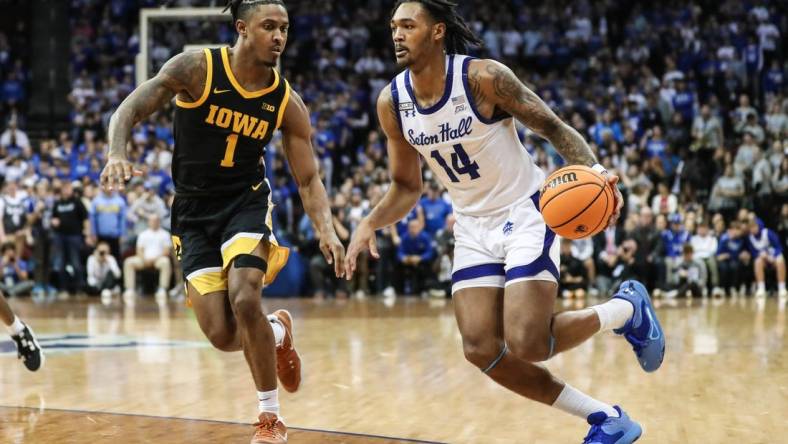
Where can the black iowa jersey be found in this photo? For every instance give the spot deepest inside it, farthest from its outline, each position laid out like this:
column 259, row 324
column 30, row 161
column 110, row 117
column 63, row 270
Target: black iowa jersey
column 220, row 139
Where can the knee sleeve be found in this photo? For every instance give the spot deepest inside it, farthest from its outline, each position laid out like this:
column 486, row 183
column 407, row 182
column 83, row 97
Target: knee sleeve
column 250, row 261
column 497, row 359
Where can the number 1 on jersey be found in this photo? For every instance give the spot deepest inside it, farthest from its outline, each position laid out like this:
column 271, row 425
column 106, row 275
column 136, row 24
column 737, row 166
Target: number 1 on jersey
column 460, row 162
column 229, row 152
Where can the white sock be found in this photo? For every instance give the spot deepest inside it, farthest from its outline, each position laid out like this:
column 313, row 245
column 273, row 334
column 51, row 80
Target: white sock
column 16, row 327
column 781, row 286
column 577, row 403
column 278, row 328
column 613, row 313
column 761, row 286
column 269, row 401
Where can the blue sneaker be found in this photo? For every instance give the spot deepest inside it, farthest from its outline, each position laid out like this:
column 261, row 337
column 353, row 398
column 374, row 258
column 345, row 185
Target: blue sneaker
column 642, row 330
column 607, row 430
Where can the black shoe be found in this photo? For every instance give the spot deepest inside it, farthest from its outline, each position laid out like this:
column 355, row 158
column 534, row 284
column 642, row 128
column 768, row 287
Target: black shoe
column 28, row 350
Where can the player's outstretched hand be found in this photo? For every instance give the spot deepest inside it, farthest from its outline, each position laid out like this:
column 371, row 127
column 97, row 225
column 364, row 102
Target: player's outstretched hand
column 116, row 173
column 334, row 253
column 363, row 238
column 612, row 181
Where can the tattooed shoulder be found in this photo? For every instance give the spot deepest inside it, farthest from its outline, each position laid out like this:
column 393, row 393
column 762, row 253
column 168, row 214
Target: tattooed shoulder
column 502, row 88
column 475, row 70
column 186, row 72
column 494, row 86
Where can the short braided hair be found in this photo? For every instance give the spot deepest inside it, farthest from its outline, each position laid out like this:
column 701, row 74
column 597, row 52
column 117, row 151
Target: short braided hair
column 239, row 8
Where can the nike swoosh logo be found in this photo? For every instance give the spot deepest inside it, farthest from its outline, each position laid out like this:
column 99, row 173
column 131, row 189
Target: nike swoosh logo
column 257, row 187
column 220, row 91
column 653, row 333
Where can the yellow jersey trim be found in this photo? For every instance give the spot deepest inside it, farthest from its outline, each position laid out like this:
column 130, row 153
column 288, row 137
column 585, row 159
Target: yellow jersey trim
column 207, row 90
column 244, row 93
column 282, row 107
column 277, row 255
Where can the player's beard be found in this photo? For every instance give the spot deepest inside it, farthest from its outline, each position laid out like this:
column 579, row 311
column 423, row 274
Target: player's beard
column 405, row 62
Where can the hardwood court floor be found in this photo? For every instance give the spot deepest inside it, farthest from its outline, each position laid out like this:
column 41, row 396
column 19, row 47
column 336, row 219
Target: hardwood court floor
column 115, row 375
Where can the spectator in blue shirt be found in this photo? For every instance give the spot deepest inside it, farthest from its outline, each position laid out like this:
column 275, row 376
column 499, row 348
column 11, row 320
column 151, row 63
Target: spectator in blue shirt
column 108, row 220
column 325, row 146
column 673, row 240
column 15, row 272
column 80, row 165
column 94, row 173
column 732, row 257
column 753, row 57
column 604, row 126
column 415, row 253
column 160, row 180
column 654, row 143
column 416, row 213
column 773, row 79
column 13, row 90
column 435, row 209
column 764, row 245
column 684, row 101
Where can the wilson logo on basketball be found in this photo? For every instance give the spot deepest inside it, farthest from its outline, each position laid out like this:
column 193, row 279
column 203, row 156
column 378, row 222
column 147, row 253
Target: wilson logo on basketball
column 576, row 202
column 560, row 180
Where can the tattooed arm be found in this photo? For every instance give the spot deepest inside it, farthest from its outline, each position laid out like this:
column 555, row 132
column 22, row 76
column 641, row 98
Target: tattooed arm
column 184, row 75
column 495, row 87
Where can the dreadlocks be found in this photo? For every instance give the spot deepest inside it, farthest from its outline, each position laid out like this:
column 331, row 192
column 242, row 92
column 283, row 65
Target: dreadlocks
column 239, row 8
column 458, row 35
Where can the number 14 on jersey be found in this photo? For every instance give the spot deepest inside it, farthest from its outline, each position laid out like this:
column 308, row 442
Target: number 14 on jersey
column 460, row 163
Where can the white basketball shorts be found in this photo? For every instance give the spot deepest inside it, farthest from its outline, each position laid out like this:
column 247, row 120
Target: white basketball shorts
column 512, row 246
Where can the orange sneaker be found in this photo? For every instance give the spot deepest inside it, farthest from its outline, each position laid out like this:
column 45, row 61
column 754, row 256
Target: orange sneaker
column 269, row 429
column 288, row 363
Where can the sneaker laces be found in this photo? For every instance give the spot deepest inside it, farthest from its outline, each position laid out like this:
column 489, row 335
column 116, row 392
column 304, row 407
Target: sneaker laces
column 595, row 430
column 19, row 345
column 284, row 357
column 637, row 344
column 267, row 427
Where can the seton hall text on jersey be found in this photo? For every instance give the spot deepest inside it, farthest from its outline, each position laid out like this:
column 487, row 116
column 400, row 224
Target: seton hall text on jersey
column 446, row 133
column 241, row 123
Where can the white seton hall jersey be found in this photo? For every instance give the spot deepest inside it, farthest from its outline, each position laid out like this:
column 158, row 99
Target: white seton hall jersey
column 480, row 161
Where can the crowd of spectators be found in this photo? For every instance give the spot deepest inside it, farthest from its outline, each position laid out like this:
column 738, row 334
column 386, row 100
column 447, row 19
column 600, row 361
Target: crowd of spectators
column 686, row 101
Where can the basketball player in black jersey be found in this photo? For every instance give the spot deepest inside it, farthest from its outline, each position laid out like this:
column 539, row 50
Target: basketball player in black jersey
column 229, row 103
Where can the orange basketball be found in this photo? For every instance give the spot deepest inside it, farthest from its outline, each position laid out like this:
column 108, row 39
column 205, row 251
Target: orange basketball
column 576, row 202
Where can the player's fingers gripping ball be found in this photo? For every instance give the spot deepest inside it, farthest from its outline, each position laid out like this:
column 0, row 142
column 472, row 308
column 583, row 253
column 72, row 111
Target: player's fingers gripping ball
column 576, row 202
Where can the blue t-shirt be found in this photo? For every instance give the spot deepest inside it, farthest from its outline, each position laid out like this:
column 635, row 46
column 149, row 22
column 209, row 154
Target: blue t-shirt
column 656, row 148
column 730, row 245
column 420, row 245
column 10, row 276
column 435, row 212
column 402, row 226
column 673, row 242
column 683, row 103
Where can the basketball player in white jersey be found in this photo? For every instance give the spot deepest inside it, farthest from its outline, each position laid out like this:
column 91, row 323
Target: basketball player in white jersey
column 458, row 113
